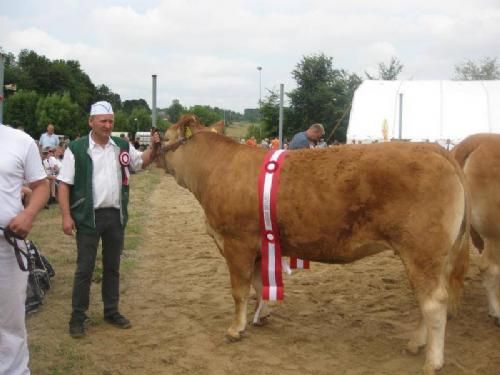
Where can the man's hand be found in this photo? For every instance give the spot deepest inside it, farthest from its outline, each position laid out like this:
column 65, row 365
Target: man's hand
column 68, row 225
column 152, row 153
column 155, row 141
column 22, row 223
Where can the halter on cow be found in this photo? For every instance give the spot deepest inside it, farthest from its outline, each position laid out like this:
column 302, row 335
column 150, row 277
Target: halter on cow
column 334, row 206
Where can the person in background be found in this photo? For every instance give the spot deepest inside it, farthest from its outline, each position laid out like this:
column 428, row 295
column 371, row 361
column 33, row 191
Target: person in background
column 275, row 143
column 59, row 153
column 49, row 139
column 93, row 199
column 322, row 143
column 251, row 141
column 52, row 167
column 265, row 143
column 308, row 138
column 20, row 163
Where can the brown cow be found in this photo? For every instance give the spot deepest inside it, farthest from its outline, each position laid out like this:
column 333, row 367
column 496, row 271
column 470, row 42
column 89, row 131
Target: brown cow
column 218, row 127
column 334, row 206
column 479, row 156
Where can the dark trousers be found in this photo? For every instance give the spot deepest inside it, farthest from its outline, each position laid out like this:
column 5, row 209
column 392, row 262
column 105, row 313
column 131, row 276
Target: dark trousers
column 110, row 230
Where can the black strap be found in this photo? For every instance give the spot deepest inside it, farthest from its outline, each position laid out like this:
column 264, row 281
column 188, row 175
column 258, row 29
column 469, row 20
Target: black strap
column 12, row 239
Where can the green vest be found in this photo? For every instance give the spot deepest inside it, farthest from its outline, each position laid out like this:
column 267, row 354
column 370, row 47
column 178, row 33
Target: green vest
column 80, row 196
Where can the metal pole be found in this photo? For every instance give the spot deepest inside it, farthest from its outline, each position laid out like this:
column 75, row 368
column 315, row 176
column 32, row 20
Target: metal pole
column 400, row 116
column 280, row 126
column 154, row 100
column 2, row 61
column 259, row 68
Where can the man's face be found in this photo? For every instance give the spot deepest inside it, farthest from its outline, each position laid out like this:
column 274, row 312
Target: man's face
column 102, row 125
column 316, row 135
column 50, row 129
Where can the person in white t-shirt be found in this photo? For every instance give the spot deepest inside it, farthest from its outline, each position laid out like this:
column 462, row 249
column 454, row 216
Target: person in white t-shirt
column 20, row 163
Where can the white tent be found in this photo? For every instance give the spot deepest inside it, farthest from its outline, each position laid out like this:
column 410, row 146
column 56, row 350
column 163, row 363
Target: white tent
column 424, row 110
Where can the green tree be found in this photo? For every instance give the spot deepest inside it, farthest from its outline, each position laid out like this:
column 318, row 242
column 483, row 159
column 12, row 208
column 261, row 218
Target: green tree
column 388, row 72
column 270, row 110
column 486, row 69
column 20, row 110
column 130, row 105
column 175, row 111
column 322, row 95
column 206, row 114
column 121, row 122
column 63, row 113
column 162, row 124
column 104, row 93
column 139, row 120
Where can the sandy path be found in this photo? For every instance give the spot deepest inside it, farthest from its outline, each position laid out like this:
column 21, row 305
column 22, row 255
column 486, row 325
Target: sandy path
column 350, row 319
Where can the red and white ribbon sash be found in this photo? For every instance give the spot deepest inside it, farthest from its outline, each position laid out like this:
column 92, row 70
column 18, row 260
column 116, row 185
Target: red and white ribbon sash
column 272, row 282
column 299, row 264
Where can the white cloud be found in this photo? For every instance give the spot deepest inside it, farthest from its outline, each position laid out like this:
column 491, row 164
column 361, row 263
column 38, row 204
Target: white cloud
column 206, row 52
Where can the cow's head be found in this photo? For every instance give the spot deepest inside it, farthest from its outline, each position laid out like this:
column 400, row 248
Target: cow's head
column 176, row 135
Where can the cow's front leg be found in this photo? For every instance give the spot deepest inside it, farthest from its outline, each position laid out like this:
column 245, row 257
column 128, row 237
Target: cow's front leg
column 240, row 259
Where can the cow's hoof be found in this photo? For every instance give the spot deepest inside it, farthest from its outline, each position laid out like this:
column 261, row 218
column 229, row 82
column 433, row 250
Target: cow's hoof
column 428, row 370
column 234, row 336
column 262, row 321
column 231, row 338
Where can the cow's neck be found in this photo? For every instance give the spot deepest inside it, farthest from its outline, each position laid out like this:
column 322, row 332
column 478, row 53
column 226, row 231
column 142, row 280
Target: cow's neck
column 198, row 159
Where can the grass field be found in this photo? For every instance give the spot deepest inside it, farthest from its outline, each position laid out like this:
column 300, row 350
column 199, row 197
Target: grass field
column 52, row 351
column 237, row 130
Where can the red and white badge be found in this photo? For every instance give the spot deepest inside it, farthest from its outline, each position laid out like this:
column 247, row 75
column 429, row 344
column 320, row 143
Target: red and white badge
column 124, row 158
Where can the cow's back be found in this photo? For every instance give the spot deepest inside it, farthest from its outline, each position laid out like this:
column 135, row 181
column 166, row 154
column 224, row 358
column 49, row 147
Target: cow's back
column 364, row 193
column 479, row 156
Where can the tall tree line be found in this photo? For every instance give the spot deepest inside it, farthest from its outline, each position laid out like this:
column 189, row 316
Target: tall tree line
column 59, row 91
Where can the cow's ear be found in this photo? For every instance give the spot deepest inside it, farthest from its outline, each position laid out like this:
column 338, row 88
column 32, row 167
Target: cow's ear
column 188, row 132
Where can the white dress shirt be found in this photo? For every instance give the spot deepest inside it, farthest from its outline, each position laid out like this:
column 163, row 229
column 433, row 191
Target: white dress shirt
column 106, row 177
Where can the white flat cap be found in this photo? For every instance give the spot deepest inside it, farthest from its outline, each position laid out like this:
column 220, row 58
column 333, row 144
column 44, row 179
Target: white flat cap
column 101, row 108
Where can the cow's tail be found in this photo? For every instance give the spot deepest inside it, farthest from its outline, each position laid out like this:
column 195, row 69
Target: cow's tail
column 461, row 153
column 459, row 264
column 459, row 254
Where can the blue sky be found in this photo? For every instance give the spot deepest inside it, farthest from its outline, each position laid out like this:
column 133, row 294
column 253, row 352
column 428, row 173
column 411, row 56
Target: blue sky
column 207, row 52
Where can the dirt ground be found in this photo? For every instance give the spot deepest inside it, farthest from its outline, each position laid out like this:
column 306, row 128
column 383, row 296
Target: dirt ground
column 353, row 319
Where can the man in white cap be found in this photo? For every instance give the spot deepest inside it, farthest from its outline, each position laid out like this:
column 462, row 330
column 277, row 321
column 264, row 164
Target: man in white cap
column 93, row 198
column 20, row 163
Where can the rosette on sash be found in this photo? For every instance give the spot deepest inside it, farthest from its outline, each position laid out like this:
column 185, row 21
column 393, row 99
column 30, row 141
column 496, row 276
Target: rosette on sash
column 124, row 159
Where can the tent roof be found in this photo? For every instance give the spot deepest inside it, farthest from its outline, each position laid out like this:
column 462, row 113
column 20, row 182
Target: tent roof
column 433, row 110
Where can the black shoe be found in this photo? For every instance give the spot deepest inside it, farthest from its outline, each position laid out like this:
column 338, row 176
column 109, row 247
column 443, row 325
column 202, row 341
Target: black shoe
column 76, row 329
column 118, row 320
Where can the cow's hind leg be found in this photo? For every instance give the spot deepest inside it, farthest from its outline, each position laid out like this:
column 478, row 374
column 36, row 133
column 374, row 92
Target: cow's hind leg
column 490, row 265
column 261, row 309
column 240, row 260
column 430, row 288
